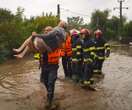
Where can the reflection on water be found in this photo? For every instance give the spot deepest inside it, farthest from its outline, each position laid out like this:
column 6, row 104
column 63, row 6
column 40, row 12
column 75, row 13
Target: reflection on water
column 18, row 77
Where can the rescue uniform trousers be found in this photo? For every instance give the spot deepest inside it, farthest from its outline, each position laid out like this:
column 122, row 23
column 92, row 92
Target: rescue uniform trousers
column 88, row 71
column 77, row 70
column 98, row 66
column 48, row 78
column 66, row 62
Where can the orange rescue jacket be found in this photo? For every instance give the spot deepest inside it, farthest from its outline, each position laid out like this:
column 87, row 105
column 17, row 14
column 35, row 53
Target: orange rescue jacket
column 53, row 57
column 67, row 49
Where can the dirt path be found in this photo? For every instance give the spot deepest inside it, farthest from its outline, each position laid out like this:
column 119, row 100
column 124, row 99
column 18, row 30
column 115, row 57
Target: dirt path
column 22, row 90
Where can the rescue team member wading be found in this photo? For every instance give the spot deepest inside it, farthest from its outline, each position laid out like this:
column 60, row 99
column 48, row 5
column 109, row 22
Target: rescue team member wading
column 49, row 72
column 76, row 56
column 51, row 60
column 88, row 57
column 49, row 66
column 102, row 49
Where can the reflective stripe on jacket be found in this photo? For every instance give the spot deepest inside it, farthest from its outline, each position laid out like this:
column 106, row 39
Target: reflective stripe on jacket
column 88, row 50
column 102, row 47
column 37, row 56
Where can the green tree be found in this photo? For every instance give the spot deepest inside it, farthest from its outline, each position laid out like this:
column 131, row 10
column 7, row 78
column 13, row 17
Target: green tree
column 5, row 15
column 99, row 19
column 42, row 21
column 112, row 27
column 19, row 14
column 75, row 22
column 127, row 30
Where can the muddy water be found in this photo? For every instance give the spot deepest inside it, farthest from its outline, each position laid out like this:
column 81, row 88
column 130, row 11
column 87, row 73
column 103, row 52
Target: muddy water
column 20, row 88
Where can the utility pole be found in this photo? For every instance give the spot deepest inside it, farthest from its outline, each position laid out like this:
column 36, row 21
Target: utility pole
column 120, row 8
column 58, row 12
column 97, row 22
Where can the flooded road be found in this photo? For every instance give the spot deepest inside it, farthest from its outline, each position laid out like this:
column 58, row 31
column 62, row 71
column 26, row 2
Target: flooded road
column 20, row 88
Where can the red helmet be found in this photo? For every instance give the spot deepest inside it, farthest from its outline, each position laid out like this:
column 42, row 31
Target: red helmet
column 85, row 31
column 98, row 32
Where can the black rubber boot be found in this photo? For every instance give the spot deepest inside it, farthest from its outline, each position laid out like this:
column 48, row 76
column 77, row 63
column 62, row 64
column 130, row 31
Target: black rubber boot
column 50, row 98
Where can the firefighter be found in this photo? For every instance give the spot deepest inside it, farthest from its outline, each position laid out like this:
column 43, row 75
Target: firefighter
column 66, row 53
column 88, row 57
column 102, row 49
column 76, row 56
column 49, row 72
column 49, row 67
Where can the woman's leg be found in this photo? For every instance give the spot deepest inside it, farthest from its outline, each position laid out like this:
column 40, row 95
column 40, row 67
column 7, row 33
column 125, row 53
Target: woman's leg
column 26, row 42
column 21, row 55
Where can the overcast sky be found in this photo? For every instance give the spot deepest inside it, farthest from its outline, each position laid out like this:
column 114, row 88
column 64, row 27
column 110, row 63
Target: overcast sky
column 82, row 8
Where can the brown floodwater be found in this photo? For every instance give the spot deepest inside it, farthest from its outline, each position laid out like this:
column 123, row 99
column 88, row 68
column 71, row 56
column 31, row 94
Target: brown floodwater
column 20, row 88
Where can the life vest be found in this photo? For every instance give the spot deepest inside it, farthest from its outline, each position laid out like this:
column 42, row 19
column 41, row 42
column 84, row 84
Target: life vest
column 66, row 50
column 53, row 57
column 62, row 51
column 68, row 46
